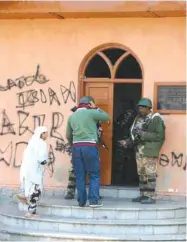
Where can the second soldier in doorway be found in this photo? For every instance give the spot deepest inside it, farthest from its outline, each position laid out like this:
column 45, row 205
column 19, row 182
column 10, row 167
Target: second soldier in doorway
column 147, row 136
column 72, row 180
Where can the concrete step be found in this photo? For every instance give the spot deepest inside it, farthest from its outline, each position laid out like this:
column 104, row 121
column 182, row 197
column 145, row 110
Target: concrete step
column 118, row 209
column 13, row 217
column 14, row 234
column 116, row 192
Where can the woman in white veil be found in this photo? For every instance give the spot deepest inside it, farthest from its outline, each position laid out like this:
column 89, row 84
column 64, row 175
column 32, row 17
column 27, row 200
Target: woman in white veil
column 35, row 160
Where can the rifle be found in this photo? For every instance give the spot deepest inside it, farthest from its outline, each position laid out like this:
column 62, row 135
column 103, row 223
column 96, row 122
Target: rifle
column 99, row 132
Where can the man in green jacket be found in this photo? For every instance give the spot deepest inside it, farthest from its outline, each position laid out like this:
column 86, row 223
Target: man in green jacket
column 147, row 135
column 82, row 133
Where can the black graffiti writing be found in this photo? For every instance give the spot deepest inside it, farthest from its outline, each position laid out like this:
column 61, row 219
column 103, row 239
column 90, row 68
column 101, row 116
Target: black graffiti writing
column 31, row 97
column 57, row 121
column 68, row 92
column 164, row 160
column 38, row 120
column 63, row 147
column 22, row 81
column 22, row 116
column 27, row 99
column 175, row 160
column 184, row 167
column 53, row 96
column 51, row 159
column 19, row 148
column 6, row 126
column 6, row 154
column 43, row 96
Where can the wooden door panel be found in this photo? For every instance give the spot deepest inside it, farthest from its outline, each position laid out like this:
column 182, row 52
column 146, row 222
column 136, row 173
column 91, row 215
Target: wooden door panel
column 103, row 95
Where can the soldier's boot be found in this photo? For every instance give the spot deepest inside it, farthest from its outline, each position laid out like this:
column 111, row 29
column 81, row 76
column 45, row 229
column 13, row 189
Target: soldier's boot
column 148, row 200
column 138, row 199
column 69, row 196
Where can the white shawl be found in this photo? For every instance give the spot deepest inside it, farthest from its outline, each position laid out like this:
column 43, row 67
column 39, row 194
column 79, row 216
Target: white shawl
column 32, row 171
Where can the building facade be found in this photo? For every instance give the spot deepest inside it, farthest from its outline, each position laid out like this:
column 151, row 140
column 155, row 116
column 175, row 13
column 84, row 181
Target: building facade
column 53, row 54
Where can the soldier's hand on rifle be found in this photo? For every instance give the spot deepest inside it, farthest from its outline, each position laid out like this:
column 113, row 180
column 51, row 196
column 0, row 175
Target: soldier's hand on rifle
column 138, row 132
column 122, row 143
column 125, row 143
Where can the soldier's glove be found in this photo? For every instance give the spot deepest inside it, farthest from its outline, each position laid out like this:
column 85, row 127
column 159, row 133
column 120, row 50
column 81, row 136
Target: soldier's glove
column 125, row 143
column 138, row 133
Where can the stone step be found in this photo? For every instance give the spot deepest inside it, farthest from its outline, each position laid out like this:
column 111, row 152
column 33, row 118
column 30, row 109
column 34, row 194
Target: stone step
column 105, row 191
column 15, row 234
column 118, row 209
column 116, row 192
column 12, row 217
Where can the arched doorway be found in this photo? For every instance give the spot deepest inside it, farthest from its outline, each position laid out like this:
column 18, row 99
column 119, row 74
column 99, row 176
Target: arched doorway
column 112, row 74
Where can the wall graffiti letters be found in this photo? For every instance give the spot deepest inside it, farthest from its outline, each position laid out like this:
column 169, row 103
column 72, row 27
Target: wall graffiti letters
column 51, row 158
column 27, row 99
column 38, row 120
column 68, row 92
column 63, row 147
column 6, row 126
column 173, row 160
column 28, row 117
column 31, row 97
column 53, row 96
column 6, row 154
column 23, row 81
column 22, row 116
column 57, row 121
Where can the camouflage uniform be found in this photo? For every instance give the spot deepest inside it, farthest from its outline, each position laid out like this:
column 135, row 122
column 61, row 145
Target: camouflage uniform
column 71, row 184
column 146, row 166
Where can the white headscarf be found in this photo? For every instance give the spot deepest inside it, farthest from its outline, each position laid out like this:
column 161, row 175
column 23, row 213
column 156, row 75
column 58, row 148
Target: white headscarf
column 36, row 138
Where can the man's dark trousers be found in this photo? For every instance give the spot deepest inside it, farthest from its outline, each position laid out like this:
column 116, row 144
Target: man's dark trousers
column 85, row 158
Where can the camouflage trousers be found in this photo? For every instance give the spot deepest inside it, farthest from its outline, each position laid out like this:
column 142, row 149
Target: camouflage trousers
column 71, row 182
column 147, row 168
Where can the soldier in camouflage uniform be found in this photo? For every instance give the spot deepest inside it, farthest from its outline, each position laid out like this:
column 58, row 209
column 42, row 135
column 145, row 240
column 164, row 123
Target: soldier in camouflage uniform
column 147, row 135
column 71, row 185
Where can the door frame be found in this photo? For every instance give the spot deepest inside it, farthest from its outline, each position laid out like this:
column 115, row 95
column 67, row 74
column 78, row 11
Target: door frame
column 82, row 80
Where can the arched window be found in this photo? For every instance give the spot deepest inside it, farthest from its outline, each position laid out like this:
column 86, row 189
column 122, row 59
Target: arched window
column 113, row 63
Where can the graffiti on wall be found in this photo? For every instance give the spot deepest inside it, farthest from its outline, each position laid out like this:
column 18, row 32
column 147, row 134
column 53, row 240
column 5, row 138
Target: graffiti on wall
column 27, row 120
column 174, row 160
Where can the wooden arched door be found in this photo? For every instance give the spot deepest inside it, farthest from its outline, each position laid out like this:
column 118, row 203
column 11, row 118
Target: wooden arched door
column 100, row 70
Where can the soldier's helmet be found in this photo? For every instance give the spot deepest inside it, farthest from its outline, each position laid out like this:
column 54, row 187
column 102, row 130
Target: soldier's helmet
column 145, row 102
column 86, row 100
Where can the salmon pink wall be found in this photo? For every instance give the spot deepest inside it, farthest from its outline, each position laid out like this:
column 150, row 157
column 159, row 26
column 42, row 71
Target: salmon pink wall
column 58, row 47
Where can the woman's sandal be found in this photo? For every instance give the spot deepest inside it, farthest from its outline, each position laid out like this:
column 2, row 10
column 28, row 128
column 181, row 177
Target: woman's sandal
column 22, row 199
column 31, row 215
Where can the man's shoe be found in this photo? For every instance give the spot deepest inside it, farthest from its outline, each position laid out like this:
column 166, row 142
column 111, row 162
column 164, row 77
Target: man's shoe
column 148, row 200
column 138, row 199
column 96, row 204
column 81, row 205
column 69, row 196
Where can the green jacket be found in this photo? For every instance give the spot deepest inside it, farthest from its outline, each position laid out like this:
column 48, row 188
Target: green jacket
column 153, row 138
column 82, row 125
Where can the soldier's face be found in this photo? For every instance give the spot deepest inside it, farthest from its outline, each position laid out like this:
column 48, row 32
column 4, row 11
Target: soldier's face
column 143, row 110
